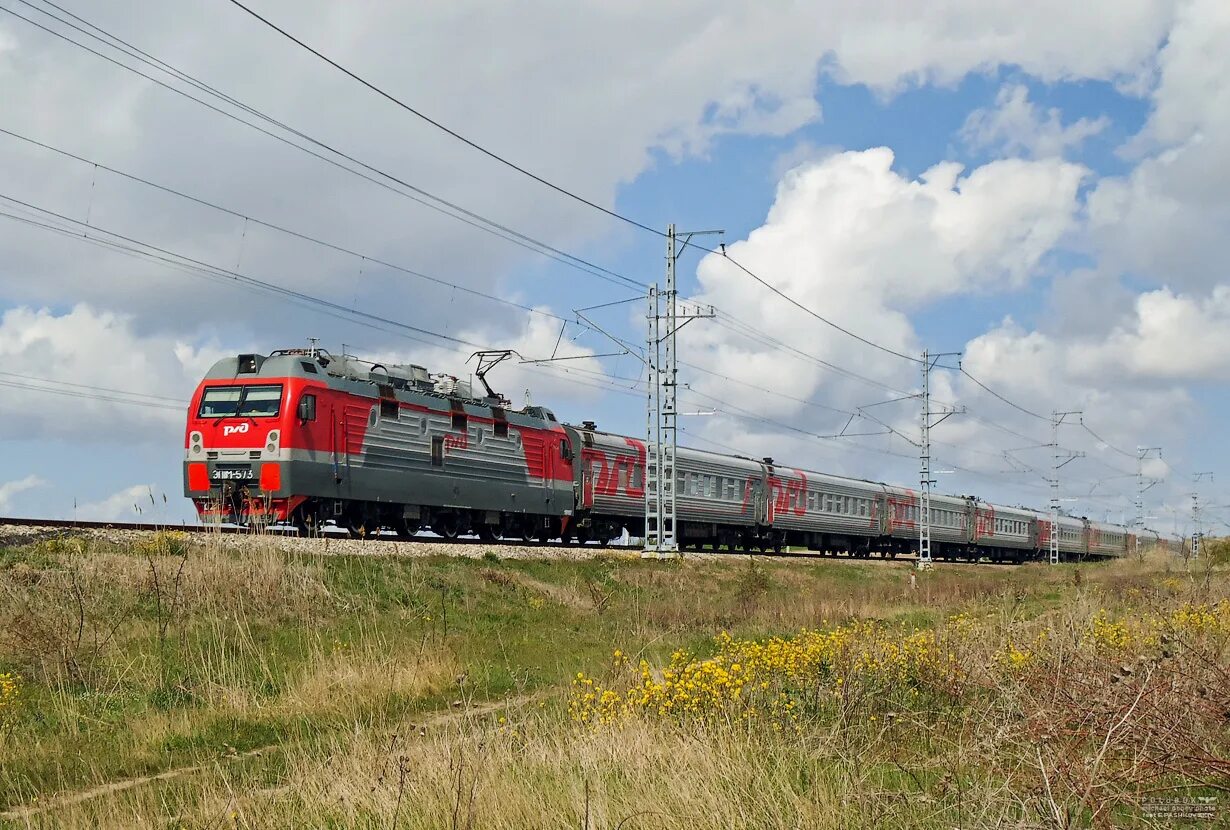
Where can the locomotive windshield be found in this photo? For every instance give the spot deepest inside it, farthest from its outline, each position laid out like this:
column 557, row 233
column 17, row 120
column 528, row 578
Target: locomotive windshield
column 240, row 401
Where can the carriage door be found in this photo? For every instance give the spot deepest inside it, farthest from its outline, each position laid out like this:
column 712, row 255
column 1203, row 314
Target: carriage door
column 763, row 502
column 587, row 480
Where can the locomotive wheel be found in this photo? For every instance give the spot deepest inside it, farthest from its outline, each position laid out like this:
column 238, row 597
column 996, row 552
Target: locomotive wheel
column 582, row 535
column 446, row 527
column 528, row 531
column 406, row 529
column 488, row 533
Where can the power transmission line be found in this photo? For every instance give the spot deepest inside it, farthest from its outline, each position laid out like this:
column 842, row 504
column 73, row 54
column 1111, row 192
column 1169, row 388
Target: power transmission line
column 472, row 144
column 559, row 188
column 747, row 330
column 81, row 232
column 99, row 393
column 1010, row 403
column 161, row 398
column 279, row 228
column 1108, row 444
column 436, row 203
column 236, row 277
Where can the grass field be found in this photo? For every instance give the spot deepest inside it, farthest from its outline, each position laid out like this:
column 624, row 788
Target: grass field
column 178, row 682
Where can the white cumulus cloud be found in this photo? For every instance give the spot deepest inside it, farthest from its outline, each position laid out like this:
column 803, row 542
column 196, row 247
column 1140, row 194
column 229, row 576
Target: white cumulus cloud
column 1166, row 220
column 90, row 375
column 865, row 246
column 9, row 490
column 131, row 504
column 1015, row 126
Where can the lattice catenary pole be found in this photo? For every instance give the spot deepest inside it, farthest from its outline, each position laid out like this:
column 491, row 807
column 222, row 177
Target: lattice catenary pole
column 925, row 481
column 662, row 435
column 1142, row 454
column 1060, row 458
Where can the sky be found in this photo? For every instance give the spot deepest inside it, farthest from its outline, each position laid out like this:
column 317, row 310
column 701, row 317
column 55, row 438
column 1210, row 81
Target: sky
column 1044, row 194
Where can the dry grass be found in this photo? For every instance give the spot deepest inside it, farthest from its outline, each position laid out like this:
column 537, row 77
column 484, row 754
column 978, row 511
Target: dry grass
column 973, row 697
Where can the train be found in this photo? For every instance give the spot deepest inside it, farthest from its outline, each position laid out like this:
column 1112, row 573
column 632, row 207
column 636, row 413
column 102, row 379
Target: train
column 302, row 438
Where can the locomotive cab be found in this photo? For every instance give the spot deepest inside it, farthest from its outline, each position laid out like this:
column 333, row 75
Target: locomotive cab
column 242, row 417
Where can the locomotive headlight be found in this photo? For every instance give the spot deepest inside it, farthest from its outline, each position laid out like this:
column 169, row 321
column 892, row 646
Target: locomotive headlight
column 272, row 446
column 195, row 439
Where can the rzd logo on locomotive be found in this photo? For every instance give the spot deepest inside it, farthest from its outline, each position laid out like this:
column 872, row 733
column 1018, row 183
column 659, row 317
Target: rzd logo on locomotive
column 236, row 429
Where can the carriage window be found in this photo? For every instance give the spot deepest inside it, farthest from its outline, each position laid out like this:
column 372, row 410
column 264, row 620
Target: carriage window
column 711, row 487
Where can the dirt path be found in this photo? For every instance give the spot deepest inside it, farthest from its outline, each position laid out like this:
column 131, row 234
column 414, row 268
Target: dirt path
column 67, row 799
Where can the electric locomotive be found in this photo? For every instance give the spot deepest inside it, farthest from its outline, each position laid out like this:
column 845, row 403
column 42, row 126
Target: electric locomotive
column 302, row 437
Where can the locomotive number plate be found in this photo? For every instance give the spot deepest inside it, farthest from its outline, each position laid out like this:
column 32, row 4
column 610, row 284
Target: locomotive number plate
column 232, row 473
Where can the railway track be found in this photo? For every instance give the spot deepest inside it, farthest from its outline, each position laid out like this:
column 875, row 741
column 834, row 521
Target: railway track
column 69, row 525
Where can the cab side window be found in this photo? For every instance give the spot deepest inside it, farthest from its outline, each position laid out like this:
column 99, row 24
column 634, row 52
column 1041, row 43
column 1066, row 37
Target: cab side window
column 307, row 408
